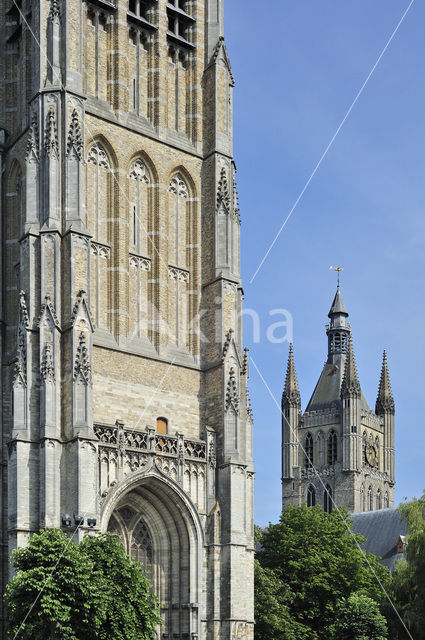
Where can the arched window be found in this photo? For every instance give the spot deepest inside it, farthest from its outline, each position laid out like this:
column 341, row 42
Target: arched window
column 98, row 206
column 327, row 499
column 379, row 499
column 332, row 447
column 141, row 548
column 386, row 500
column 139, row 206
column 308, row 451
column 362, row 498
column 178, row 224
column 162, row 425
column 321, row 448
column 370, row 499
column 311, row 496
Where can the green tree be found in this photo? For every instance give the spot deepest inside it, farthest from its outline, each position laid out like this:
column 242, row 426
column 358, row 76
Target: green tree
column 318, row 558
column 408, row 588
column 358, row 618
column 90, row 591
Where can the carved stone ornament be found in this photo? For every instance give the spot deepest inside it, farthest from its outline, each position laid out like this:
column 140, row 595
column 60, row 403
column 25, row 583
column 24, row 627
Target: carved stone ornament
column 51, row 144
column 20, row 368
column 75, row 139
column 211, row 451
column 229, row 336
column 81, row 301
column 221, row 48
column 97, row 155
column 176, row 274
column 32, row 150
column 54, row 13
column 236, row 209
column 232, row 397
column 47, row 368
column 101, row 250
column 23, row 311
column 82, row 367
column 139, row 172
column 178, row 186
column 140, row 262
column 245, row 359
column 223, row 196
column 46, row 307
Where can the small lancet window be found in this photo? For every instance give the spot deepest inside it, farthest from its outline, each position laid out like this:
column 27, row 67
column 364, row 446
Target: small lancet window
column 309, row 451
column 332, row 447
column 162, row 426
column 327, row 499
column 379, row 499
column 370, row 499
column 311, row 496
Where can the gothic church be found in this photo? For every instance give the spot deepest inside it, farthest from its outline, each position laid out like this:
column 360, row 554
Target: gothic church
column 124, row 381
column 338, row 451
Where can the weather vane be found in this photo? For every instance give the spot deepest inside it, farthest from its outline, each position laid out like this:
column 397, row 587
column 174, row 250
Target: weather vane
column 338, row 270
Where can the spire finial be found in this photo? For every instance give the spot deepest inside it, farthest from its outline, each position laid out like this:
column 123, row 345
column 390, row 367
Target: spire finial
column 338, row 270
column 385, row 400
column 291, row 392
column 350, row 382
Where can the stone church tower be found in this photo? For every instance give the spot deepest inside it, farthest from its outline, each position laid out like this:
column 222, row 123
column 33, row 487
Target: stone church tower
column 338, row 450
column 124, row 381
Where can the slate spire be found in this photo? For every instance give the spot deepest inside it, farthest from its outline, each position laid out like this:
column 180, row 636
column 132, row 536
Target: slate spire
column 350, row 383
column 338, row 306
column 385, row 399
column 291, row 392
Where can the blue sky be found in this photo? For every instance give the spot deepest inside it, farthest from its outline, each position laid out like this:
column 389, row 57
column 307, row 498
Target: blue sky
column 298, row 66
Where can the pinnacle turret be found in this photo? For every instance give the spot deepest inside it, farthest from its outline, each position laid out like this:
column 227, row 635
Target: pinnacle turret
column 338, row 306
column 291, row 392
column 350, row 382
column 385, row 400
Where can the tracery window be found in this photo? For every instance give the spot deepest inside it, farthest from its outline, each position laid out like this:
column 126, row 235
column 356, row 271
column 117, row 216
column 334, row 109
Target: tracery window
column 327, row 499
column 308, row 451
column 332, row 447
column 311, row 496
column 134, row 535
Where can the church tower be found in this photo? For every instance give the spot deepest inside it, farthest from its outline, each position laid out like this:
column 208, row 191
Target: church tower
column 124, row 381
column 338, row 451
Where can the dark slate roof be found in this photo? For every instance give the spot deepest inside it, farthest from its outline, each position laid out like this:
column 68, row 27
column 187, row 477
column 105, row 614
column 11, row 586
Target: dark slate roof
column 382, row 530
column 328, row 389
column 338, row 305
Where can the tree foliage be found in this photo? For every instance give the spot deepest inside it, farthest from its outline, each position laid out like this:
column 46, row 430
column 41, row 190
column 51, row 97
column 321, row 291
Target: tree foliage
column 408, row 588
column 317, row 562
column 358, row 618
column 91, row 591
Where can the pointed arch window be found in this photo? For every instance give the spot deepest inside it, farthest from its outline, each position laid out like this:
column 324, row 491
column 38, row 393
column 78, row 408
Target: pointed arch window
column 311, row 496
column 386, row 500
column 327, row 499
column 308, row 451
column 98, row 204
column 332, row 447
column 379, row 499
column 362, row 499
column 370, row 499
column 140, row 206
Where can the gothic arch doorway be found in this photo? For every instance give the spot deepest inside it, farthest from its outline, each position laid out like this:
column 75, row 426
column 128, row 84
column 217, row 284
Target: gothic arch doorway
column 159, row 527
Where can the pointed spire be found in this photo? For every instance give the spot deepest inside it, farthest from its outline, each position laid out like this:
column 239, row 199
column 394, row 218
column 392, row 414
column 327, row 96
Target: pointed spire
column 291, row 392
column 350, row 383
column 338, row 306
column 385, row 400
